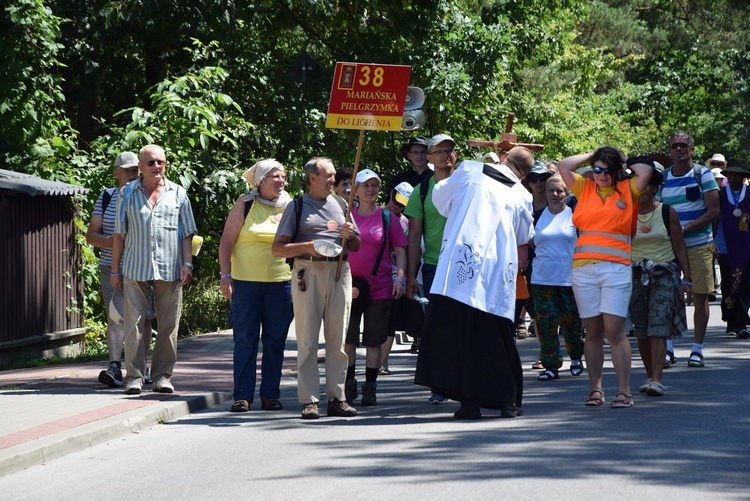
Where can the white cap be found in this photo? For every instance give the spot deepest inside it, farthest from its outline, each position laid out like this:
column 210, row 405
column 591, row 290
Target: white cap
column 489, row 158
column 117, row 308
column 365, row 174
column 403, row 192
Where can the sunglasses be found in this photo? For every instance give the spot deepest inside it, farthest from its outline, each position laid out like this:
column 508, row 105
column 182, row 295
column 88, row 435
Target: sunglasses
column 535, row 179
column 717, row 164
column 601, row 170
column 301, row 281
column 151, row 163
column 674, row 146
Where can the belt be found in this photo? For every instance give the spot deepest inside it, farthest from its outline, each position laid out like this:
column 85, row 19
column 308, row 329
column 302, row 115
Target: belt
column 314, row 258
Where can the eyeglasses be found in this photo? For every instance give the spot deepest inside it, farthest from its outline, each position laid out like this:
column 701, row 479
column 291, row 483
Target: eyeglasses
column 443, row 152
column 601, row 170
column 151, row 163
column 419, row 151
column 535, row 179
column 674, row 146
column 301, row 281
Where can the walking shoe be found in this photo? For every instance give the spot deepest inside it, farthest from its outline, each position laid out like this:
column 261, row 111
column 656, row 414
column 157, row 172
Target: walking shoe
column 437, row 399
column 743, row 334
column 133, row 387
column 655, row 389
column 350, row 391
column 468, row 412
column 510, row 411
column 147, row 376
column 368, row 394
column 112, row 377
column 310, row 411
column 271, row 404
column 384, row 370
column 338, row 408
column 163, row 385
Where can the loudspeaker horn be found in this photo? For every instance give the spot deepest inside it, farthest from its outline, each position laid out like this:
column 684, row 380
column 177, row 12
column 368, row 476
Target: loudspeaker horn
column 413, row 120
column 414, row 98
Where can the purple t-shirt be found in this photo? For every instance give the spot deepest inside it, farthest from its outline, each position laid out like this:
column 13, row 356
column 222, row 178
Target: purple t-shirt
column 371, row 233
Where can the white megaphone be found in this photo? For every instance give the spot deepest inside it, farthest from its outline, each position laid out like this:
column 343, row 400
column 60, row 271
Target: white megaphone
column 413, row 120
column 414, row 98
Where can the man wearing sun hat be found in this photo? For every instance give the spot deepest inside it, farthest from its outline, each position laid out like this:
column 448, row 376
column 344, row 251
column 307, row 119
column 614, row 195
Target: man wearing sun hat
column 735, row 219
column 415, row 151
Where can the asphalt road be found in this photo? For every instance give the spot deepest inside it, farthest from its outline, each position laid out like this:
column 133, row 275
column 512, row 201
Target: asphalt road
column 693, row 443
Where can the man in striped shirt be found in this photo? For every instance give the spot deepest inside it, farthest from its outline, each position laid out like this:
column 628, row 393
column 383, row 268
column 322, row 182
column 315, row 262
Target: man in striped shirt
column 99, row 234
column 153, row 232
column 691, row 189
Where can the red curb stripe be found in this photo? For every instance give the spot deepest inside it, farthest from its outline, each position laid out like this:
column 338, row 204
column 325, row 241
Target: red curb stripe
column 68, row 423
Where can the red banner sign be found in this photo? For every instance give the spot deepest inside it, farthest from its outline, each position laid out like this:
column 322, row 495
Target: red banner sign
column 368, row 96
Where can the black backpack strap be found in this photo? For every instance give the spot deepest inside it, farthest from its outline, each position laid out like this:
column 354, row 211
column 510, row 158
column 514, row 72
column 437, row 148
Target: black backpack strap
column 665, row 217
column 107, row 198
column 424, row 188
column 248, row 205
column 386, row 226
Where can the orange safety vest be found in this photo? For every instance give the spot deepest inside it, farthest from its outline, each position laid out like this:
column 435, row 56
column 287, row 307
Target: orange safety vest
column 605, row 227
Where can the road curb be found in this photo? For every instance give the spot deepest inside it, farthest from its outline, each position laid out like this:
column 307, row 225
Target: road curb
column 49, row 448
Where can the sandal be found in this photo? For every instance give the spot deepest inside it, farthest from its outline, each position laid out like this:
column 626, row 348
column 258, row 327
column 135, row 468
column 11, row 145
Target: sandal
column 595, row 401
column 548, row 375
column 240, row 406
column 696, row 360
column 537, row 365
column 576, row 367
column 384, row 371
column 622, row 401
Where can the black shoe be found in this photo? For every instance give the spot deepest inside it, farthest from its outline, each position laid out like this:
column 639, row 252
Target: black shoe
column 338, row 408
column 271, row 404
column 415, row 345
column 743, row 334
column 368, row 394
column 470, row 412
column 350, row 391
column 510, row 411
column 112, row 377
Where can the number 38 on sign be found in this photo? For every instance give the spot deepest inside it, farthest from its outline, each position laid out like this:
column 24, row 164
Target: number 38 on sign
column 367, row 96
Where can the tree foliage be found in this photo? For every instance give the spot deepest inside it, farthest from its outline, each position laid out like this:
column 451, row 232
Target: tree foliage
column 218, row 82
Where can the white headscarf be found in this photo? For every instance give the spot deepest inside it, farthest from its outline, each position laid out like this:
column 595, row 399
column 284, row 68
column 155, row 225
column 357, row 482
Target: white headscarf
column 256, row 174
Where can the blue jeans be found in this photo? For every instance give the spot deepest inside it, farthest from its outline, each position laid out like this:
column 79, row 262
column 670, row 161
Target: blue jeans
column 256, row 304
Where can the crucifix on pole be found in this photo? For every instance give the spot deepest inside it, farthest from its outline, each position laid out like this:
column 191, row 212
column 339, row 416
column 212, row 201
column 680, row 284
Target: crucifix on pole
column 508, row 140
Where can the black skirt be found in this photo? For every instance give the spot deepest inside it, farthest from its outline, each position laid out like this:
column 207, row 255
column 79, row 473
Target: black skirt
column 468, row 354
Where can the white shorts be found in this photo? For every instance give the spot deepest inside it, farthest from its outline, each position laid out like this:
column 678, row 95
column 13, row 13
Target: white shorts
column 602, row 287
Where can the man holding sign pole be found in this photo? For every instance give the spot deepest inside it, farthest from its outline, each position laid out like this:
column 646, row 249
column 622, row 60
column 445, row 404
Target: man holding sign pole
column 313, row 235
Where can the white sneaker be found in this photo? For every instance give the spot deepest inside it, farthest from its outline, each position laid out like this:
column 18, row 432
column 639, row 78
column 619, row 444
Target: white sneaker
column 133, row 387
column 163, row 385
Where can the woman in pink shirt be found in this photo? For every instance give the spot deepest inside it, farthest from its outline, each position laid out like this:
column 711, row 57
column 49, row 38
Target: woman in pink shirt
column 374, row 285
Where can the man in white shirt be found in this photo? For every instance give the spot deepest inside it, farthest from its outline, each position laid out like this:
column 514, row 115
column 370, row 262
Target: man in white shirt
column 468, row 352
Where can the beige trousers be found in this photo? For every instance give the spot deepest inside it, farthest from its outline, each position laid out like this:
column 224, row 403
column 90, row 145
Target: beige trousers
column 330, row 301
column 167, row 303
